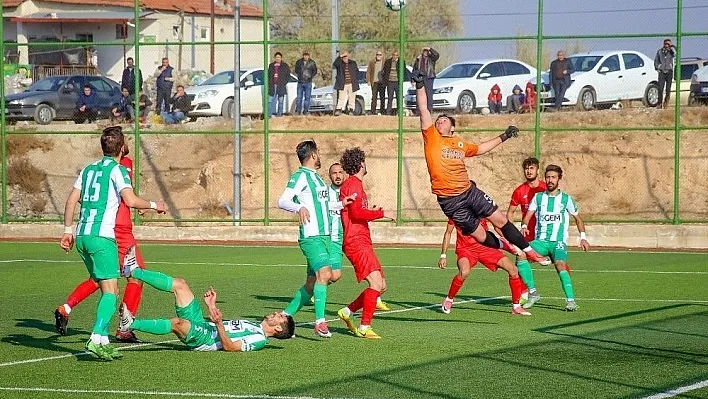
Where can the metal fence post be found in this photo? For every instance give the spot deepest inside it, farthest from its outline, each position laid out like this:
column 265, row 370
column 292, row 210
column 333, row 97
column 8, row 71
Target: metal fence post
column 3, row 126
column 399, row 106
column 136, row 126
column 266, row 125
column 677, row 114
column 539, row 82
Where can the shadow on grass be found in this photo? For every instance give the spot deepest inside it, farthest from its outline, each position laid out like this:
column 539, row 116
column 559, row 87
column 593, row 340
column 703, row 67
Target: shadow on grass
column 28, row 341
column 42, row 325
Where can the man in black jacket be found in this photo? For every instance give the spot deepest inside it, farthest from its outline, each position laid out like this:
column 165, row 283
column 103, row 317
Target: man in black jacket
column 278, row 78
column 390, row 76
column 164, row 85
column 664, row 65
column 560, row 71
column 181, row 105
column 346, row 83
column 305, row 70
column 425, row 63
column 128, row 80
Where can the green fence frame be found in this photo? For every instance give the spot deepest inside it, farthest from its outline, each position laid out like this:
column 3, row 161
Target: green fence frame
column 538, row 128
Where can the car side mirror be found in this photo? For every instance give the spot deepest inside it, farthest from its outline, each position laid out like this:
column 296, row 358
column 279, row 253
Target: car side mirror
column 248, row 83
column 604, row 70
column 484, row 75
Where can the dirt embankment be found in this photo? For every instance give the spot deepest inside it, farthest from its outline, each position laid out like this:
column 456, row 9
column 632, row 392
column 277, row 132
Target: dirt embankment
column 613, row 174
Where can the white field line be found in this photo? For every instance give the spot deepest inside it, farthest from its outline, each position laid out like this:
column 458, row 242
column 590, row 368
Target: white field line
column 151, row 393
column 678, row 391
column 542, row 269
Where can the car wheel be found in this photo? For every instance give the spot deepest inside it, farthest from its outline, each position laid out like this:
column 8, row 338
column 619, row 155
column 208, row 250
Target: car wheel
column 466, row 102
column 586, row 99
column 228, row 109
column 359, row 106
column 651, row 95
column 44, row 114
column 691, row 100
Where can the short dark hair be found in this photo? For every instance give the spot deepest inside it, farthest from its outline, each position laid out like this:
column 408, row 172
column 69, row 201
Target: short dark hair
column 555, row 168
column 530, row 161
column 334, row 164
column 452, row 120
column 130, row 59
column 305, row 149
column 87, row 86
column 305, row 53
column 351, row 160
column 277, row 53
column 178, row 86
column 112, row 141
column 288, row 330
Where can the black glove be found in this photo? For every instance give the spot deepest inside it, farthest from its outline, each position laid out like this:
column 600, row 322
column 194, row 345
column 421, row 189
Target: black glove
column 419, row 79
column 511, row 131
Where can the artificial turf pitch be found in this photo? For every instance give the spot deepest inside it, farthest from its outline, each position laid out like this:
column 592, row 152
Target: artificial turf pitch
column 641, row 329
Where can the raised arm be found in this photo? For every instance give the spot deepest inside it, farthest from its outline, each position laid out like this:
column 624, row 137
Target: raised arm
column 426, row 120
column 442, row 262
column 485, row 147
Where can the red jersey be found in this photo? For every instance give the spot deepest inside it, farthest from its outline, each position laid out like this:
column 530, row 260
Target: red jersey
column 522, row 196
column 124, row 224
column 468, row 242
column 357, row 215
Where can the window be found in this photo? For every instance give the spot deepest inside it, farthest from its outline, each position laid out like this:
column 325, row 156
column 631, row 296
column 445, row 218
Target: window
column 613, row 63
column 688, row 70
column 98, row 84
column 632, row 61
column 204, row 33
column 76, row 84
column 494, row 70
column 514, row 68
column 84, row 37
column 176, row 32
column 121, row 31
column 459, row 71
column 255, row 77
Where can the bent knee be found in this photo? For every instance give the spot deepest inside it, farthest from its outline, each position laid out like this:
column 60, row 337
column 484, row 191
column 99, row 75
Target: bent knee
column 178, row 284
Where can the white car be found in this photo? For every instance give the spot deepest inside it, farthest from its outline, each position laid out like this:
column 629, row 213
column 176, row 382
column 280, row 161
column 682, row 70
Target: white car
column 464, row 86
column 215, row 96
column 323, row 100
column 699, row 87
column 606, row 77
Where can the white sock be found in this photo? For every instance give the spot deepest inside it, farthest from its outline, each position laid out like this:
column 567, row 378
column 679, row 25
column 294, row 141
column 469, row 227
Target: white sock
column 318, row 321
column 104, row 340
column 96, row 339
column 67, row 308
column 378, row 299
column 528, row 249
column 346, row 311
column 516, row 305
column 363, row 327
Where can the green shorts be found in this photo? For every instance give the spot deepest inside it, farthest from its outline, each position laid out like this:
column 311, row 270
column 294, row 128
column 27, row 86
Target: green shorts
column 317, row 252
column 557, row 250
column 201, row 335
column 335, row 255
column 100, row 255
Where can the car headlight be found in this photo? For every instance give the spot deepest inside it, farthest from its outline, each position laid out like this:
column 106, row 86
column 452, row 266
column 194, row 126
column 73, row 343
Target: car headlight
column 694, row 80
column 327, row 96
column 14, row 102
column 443, row 90
column 207, row 94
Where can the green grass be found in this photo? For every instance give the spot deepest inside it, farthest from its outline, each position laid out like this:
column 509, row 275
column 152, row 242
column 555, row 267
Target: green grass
column 642, row 328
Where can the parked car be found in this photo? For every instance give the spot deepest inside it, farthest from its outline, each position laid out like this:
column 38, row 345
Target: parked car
column 606, row 77
column 215, row 96
column 688, row 67
column 464, row 86
column 54, row 98
column 699, row 87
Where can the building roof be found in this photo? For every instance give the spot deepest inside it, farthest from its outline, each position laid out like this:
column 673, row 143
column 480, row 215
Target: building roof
column 192, row 7
column 76, row 17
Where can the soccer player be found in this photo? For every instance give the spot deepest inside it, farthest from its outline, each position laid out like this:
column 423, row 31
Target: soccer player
column 552, row 208
column 307, row 195
column 469, row 252
column 100, row 188
column 521, row 197
column 458, row 198
column 189, row 325
column 358, row 246
column 133, row 290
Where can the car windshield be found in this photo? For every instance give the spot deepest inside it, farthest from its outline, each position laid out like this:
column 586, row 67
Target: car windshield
column 221, row 78
column 362, row 77
column 584, row 63
column 459, row 71
column 48, row 84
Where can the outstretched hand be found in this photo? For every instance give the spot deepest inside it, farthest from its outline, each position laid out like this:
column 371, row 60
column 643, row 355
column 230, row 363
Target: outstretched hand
column 419, row 78
column 511, row 131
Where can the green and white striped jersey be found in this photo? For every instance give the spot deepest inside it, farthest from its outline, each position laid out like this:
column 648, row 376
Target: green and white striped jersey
column 100, row 184
column 553, row 215
column 306, row 188
column 336, row 216
column 250, row 334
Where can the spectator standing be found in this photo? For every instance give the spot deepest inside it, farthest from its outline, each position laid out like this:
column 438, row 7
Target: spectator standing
column 495, row 98
column 346, row 83
column 164, row 86
column 87, row 106
column 515, row 101
column 664, row 65
column 305, row 69
column 374, row 77
column 278, row 77
column 390, row 76
column 180, row 106
column 561, row 69
column 128, row 80
column 425, row 63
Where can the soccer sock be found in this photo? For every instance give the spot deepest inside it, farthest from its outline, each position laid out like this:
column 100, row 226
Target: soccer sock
column 516, row 286
column 104, row 311
column 155, row 326
column 567, row 284
column 131, row 297
column 299, row 300
column 358, row 303
column 514, row 236
column 526, row 273
column 157, row 280
column 455, row 286
column 320, row 293
column 369, row 307
column 491, row 241
column 81, row 292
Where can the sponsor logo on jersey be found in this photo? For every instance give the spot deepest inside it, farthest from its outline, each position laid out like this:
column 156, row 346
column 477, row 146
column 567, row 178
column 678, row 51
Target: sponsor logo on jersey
column 451, row 153
column 553, row 217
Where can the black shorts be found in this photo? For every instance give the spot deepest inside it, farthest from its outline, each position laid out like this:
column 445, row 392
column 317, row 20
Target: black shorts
column 468, row 208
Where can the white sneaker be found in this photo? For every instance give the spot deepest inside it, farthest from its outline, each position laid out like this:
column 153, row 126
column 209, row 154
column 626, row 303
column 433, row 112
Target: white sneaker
column 130, row 262
column 126, row 319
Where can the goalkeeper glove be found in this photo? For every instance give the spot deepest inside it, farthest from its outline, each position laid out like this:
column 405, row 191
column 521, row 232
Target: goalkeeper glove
column 511, row 131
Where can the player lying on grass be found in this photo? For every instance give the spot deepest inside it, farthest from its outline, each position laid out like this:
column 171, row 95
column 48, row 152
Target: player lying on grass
column 469, row 252
column 189, row 325
column 551, row 209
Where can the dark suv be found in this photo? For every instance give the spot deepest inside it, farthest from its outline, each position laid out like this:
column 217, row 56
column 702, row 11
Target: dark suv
column 55, row 97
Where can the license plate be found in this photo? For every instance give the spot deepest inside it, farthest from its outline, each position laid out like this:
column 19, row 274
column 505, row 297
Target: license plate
column 704, row 89
column 316, row 103
column 545, row 95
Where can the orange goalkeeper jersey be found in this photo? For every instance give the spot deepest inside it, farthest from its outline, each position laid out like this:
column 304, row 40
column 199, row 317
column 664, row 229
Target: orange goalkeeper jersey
column 445, row 157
